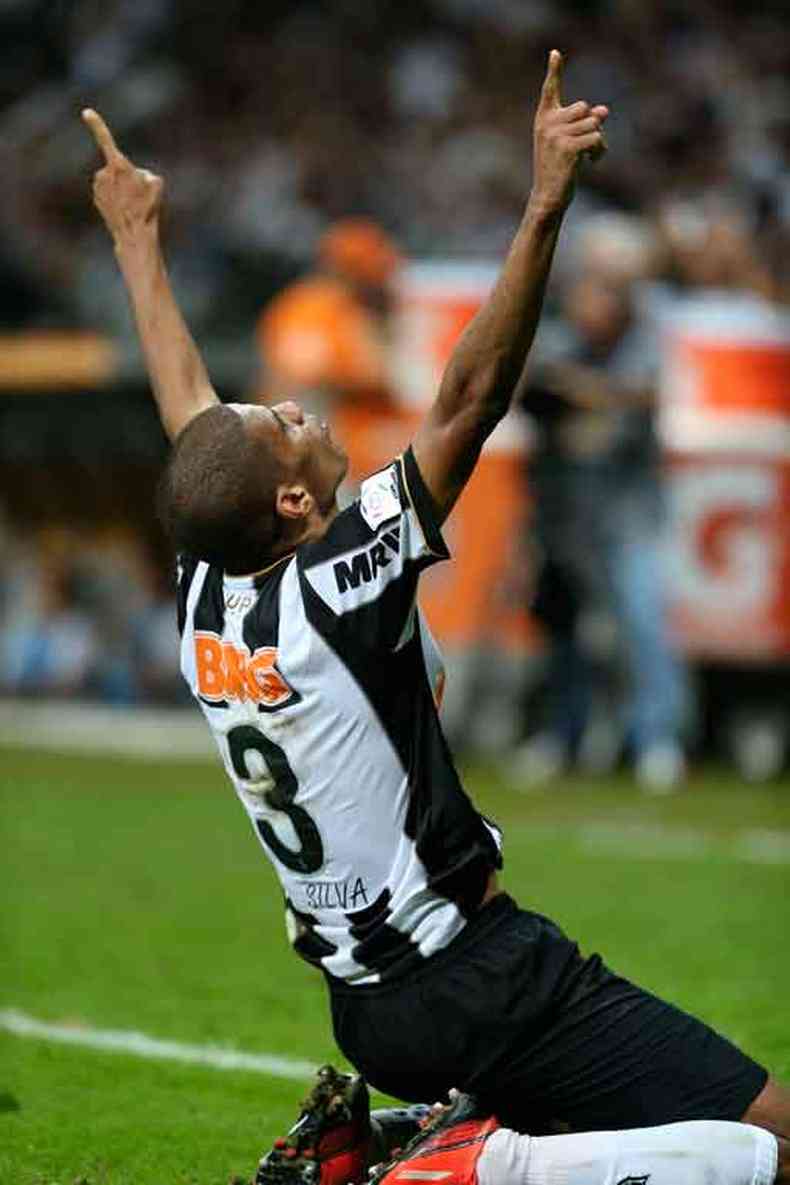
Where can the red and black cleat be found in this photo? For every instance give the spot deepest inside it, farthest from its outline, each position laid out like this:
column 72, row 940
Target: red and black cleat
column 432, row 1154
column 328, row 1144
column 336, row 1137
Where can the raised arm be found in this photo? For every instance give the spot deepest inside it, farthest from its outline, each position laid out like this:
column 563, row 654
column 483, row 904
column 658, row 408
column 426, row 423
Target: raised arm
column 129, row 200
column 481, row 377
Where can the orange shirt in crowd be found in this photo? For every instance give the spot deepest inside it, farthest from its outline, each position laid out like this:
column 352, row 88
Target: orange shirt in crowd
column 316, row 335
column 322, row 345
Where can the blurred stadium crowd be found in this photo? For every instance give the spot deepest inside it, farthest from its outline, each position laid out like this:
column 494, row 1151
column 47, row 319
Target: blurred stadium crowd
column 271, row 122
column 267, row 122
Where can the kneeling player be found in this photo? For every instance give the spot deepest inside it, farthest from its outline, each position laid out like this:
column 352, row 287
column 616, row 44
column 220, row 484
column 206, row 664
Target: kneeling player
column 336, row 1138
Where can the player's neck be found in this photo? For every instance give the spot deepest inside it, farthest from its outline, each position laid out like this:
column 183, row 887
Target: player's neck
column 307, row 530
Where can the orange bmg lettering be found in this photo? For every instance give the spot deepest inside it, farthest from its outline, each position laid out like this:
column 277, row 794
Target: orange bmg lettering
column 225, row 671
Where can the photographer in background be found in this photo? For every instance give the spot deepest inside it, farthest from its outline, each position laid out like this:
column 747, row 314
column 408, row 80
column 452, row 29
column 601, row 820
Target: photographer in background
column 598, row 520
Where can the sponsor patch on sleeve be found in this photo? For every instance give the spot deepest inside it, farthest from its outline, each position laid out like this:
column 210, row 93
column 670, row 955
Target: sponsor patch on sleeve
column 379, row 498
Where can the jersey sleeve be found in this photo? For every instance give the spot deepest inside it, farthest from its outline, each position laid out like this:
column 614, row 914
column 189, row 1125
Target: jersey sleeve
column 364, row 571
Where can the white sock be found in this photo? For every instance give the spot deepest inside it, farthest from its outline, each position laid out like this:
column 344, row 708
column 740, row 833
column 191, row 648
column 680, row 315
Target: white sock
column 703, row 1152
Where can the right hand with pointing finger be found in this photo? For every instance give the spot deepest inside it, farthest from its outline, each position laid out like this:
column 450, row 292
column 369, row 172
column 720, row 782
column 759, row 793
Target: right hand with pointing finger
column 129, row 199
column 562, row 136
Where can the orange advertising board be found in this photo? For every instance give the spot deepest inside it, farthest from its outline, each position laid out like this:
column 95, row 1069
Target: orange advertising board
column 464, row 601
column 725, row 425
column 730, row 556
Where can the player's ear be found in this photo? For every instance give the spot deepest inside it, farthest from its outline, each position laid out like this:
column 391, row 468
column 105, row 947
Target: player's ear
column 293, row 501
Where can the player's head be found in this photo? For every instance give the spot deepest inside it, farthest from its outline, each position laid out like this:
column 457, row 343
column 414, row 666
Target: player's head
column 245, row 483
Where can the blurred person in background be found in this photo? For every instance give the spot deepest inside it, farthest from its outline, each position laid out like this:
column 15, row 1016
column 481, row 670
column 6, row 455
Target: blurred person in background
column 18, row 598
column 724, row 311
column 155, row 646
column 115, row 592
column 709, row 247
column 771, row 272
column 325, row 339
column 81, row 616
column 51, row 642
column 598, row 520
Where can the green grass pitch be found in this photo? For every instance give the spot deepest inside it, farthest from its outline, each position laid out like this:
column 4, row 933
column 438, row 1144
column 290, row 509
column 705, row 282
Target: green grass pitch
column 135, row 897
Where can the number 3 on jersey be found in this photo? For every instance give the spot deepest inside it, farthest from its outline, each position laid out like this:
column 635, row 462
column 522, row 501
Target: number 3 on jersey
column 310, row 856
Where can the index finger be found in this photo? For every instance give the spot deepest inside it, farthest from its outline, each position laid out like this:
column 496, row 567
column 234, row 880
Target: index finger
column 552, row 83
column 102, row 135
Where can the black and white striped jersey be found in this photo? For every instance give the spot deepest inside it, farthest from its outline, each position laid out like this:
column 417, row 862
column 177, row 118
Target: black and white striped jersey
column 318, row 680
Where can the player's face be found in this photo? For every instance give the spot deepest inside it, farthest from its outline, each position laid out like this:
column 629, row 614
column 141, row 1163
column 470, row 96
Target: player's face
column 306, row 449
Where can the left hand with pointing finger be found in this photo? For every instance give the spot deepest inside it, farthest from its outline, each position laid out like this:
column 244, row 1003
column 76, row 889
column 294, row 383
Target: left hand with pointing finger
column 562, row 136
column 129, row 199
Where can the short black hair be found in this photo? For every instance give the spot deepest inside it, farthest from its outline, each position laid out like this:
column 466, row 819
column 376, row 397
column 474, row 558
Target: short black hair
column 217, row 494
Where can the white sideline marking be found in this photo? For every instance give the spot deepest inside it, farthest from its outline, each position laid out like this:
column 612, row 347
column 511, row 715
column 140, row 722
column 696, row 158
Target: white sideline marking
column 150, row 733
column 631, row 840
column 654, row 841
column 765, row 847
column 141, row 1045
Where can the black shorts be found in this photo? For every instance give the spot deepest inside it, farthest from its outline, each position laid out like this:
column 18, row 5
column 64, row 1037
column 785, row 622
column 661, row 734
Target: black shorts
column 511, row 1012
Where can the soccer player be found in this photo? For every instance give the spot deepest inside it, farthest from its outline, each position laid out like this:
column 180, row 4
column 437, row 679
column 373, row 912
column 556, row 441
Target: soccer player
column 303, row 644
column 336, row 1138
